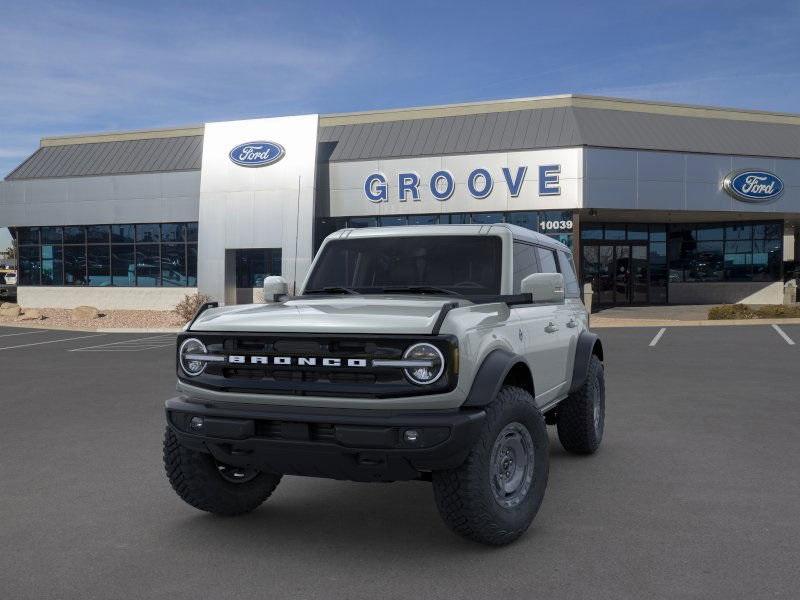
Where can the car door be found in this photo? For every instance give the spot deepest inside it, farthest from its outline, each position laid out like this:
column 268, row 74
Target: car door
column 557, row 327
column 539, row 332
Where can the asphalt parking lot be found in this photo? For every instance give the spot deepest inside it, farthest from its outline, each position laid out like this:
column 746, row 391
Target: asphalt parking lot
column 694, row 493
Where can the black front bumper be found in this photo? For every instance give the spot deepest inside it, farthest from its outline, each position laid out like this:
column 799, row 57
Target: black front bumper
column 338, row 444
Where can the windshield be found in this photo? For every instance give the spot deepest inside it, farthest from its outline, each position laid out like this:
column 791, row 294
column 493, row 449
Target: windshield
column 467, row 265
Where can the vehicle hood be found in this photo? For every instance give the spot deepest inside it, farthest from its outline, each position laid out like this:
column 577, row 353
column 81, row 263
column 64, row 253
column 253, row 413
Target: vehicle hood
column 385, row 314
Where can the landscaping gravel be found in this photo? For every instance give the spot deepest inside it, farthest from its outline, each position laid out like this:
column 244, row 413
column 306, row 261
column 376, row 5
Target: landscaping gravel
column 59, row 318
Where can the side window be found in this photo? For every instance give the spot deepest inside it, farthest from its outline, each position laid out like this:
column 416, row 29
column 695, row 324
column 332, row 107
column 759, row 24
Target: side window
column 570, row 279
column 547, row 260
column 524, row 263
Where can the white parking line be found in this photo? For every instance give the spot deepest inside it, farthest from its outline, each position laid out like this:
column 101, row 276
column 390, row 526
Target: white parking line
column 782, row 333
column 658, row 337
column 83, row 337
column 129, row 345
column 24, row 333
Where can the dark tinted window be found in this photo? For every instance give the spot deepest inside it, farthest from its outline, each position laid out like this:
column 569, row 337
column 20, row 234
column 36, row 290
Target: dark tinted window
column 99, row 263
column 524, row 263
column 28, row 235
column 148, row 263
column 74, row 265
column 468, row 265
column 150, row 232
column 173, row 265
column 122, row 234
column 74, row 235
column 123, row 265
column 51, row 235
column 97, row 234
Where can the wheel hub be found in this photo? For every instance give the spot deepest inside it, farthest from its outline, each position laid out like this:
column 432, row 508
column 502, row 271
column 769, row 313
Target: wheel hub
column 512, row 463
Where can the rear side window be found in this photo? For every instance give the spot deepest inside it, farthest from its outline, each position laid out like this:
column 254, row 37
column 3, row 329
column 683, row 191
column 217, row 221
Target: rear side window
column 524, row 263
column 571, row 286
column 547, row 260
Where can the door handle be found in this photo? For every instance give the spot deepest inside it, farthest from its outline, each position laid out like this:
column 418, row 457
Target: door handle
column 551, row 327
column 571, row 323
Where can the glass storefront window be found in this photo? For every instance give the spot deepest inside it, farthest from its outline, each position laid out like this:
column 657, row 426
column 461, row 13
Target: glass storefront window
column 27, row 235
column 74, row 235
column 253, row 265
column 658, row 233
column 638, row 232
column 359, row 222
column 51, row 235
column 98, row 260
column 29, row 264
column 148, row 265
column 106, row 255
column 454, row 219
column 394, row 220
column 52, row 265
column 122, row 234
column 591, row 231
column 75, row 265
column 527, row 219
column 191, row 266
column 173, row 232
column 739, row 231
column 614, row 231
column 97, row 234
column 173, row 265
column 148, row 233
column 123, row 265
column 487, row 218
column 423, row 219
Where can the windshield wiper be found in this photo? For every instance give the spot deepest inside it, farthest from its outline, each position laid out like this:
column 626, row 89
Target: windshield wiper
column 332, row 289
column 421, row 289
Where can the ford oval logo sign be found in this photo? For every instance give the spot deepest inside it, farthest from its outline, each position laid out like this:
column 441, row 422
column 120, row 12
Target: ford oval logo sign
column 753, row 186
column 257, row 154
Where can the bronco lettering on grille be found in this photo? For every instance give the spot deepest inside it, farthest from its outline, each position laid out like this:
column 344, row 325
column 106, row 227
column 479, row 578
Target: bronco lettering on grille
column 300, row 361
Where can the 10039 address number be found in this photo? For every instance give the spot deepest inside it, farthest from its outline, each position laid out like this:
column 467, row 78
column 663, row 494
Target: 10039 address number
column 555, row 225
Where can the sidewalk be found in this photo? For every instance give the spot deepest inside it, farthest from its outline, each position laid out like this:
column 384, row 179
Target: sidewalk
column 672, row 316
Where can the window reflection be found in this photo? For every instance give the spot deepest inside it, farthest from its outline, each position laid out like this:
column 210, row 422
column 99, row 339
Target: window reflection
column 109, row 255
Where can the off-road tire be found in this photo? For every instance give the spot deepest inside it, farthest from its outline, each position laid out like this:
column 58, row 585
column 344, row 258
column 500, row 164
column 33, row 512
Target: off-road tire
column 575, row 416
column 464, row 495
column 195, row 477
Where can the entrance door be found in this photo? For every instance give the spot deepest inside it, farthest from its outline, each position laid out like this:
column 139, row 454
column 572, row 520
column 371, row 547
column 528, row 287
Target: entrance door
column 618, row 271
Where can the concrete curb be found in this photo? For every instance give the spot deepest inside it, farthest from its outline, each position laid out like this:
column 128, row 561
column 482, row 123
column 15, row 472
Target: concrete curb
column 600, row 322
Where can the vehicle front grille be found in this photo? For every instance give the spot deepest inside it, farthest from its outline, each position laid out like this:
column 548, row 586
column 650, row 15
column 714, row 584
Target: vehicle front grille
column 295, row 379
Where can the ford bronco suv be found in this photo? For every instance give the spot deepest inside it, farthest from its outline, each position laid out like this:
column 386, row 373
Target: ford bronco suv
column 433, row 353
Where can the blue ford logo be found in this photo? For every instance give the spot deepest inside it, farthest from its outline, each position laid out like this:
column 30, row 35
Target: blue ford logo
column 753, row 186
column 257, row 154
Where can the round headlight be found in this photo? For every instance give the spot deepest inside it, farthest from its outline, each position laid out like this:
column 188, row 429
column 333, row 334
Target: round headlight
column 187, row 354
column 433, row 359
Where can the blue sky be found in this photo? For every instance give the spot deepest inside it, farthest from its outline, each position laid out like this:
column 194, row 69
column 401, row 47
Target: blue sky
column 74, row 67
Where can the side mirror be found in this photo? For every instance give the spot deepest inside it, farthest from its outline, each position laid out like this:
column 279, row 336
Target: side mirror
column 275, row 288
column 545, row 288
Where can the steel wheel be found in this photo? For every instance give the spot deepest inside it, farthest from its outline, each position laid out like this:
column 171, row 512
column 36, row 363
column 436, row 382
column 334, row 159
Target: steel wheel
column 511, row 464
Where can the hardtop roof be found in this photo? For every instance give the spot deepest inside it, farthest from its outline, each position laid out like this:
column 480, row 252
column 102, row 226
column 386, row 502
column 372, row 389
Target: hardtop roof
column 518, row 233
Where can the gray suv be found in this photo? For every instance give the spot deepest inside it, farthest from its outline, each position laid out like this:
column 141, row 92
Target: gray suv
column 434, row 353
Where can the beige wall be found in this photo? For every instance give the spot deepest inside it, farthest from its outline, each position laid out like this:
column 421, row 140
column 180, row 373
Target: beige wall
column 108, row 298
column 726, row 292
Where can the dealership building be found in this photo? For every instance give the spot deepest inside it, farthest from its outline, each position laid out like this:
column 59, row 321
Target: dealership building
column 661, row 203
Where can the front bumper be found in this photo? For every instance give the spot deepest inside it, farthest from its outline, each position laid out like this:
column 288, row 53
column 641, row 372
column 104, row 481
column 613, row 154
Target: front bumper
column 357, row 445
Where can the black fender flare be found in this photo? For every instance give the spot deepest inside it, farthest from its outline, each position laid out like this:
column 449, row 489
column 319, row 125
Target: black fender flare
column 588, row 343
column 491, row 375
